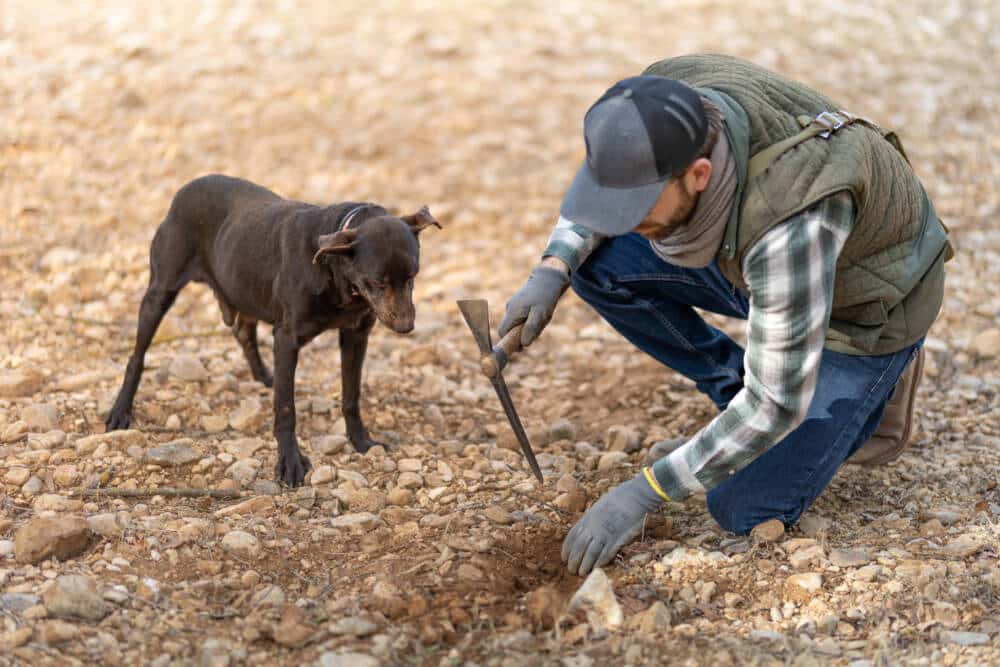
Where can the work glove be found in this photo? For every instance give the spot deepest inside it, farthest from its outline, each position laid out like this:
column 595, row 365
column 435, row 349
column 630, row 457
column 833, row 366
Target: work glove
column 613, row 521
column 534, row 303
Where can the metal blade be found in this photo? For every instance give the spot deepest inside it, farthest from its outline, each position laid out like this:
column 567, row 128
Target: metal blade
column 515, row 422
column 477, row 315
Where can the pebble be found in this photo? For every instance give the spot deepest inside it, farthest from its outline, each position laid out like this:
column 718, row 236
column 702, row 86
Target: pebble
column 596, row 599
column 498, row 515
column 188, row 368
column 409, row 480
column 544, row 606
column 18, row 383
column 803, row 587
column 653, row 622
column 14, row 432
column 53, row 502
column 257, row 506
column 346, row 659
column 611, row 460
column 354, row 626
column 814, row 526
column 56, row 632
column 323, row 474
column 248, row 416
column 807, row 557
column 74, row 596
column 986, row 344
column 355, row 478
column 849, row 557
column 966, row 638
column 51, row 537
column 244, row 471
column 17, row 475
column 18, row 602
column 241, row 543
column 623, row 439
column 243, row 448
column 41, row 417
column 174, row 453
column 293, row 630
column 105, row 524
column 771, row 530
column 561, row 429
column 32, row 487
column 329, row 445
column 117, row 440
column 356, row 522
column 66, row 476
column 410, row 465
column 400, row 497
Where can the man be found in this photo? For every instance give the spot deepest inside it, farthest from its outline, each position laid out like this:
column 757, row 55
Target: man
column 713, row 183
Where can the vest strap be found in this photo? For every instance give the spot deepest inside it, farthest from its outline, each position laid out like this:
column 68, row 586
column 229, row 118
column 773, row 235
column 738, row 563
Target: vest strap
column 823, row 125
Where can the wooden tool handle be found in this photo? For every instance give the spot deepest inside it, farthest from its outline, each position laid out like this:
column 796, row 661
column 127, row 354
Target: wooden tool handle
column 495, row 361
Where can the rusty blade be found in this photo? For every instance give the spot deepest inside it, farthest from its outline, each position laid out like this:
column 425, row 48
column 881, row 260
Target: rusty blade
column 477, row 315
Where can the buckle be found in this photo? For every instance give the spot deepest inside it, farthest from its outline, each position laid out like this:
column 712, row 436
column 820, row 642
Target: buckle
column 833, row 121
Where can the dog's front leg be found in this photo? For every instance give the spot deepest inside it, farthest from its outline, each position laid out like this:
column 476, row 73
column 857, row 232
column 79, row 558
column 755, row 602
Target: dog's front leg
column 353, row 344
column 292, row 464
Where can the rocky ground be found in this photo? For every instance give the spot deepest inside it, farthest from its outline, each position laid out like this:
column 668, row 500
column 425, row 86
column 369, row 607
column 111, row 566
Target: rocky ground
column 442, row 549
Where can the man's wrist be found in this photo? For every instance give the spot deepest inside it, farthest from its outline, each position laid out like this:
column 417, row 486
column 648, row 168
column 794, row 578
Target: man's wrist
column 553, row 262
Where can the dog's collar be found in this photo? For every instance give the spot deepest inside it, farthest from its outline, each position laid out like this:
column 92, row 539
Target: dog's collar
column 345, row 222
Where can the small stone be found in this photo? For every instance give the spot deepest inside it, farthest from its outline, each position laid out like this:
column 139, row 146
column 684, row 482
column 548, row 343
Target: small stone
column 15, row 639
column 15, row 384
column 946, row 516
column 355, row 478
column 241, row 543
column 257, row 506
column 41, row 417
column 849, row 557
column 292, row 630
column 105, row 524
column 248, row 416
column 32, row 487
column 53, row 502
column 346, row 659
column 17, row 602
column 354, row 626
column 65, row 476
column 6, row 548
column 329, row 445
column 116, row 440
column 188, row 368
column 561, row 429
column 498, row 515
column 806, row 557
column 74, row 596
column 323, row 475
column 410, row 465
column 766, row 636
column 15, row 432
column 51, row 537
column 400, row 497
column 771, row 530
column 269, row 596
column 173, row 423
column 544, row 607
column 572, row 501
column 966, row 638
column 611, row 460
column 964, row 546
column 803, row 587
column 409, row 480
column 986, row 344
column 814, row 526
column 243, row 471
column 367, row 500
column 469, row 572
column 17, row 475
column 868, row 572
column 356, row 522
column 652, row 622
column 596, row 599
column 174, row 453
column 56, row 632
column 243, row 448
column 623, row 439
column 215, row 423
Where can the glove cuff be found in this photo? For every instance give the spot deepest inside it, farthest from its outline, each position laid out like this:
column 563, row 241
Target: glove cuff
column 651, row 480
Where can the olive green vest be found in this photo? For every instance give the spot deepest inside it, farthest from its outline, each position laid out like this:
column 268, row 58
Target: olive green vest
column 889, row 279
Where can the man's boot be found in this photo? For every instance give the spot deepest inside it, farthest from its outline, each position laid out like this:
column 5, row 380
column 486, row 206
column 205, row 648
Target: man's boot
column 893, row 432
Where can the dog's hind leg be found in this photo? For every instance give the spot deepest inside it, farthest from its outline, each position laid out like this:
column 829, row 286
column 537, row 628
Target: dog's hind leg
column 245, row 331
column 170, row 270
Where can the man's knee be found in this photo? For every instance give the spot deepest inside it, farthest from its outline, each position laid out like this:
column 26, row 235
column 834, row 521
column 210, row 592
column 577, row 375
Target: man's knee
column 739, row 512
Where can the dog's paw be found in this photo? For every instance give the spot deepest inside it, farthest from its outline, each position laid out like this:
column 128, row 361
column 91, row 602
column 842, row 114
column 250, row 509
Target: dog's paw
column 362, row 445
column 292, row 468
column 118, row 421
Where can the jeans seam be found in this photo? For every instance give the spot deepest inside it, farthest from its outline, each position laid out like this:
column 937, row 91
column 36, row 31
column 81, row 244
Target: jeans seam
column 729, row 295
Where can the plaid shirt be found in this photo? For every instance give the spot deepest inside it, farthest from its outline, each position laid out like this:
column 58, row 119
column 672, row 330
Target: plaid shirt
column 790, row 275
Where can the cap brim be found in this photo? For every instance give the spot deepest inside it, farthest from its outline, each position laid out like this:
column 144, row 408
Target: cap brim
column 608, row 211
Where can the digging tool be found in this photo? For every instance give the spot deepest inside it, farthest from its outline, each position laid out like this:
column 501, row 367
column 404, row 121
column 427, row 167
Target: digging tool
column 492, row 362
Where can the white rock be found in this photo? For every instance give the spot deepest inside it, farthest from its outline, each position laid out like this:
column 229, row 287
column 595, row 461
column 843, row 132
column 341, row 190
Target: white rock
column 356, row 522
column 410, row 465
column 241, row 543
column 353, row 625
column 611, row 460
column 623, row 439
column 966, row 638
column 323, row 475
column 346, row 659
column 188, row 368
column 803, row 587
column 596, row 599
column 987, row 343
column 41, row 417
column 174, row 453
column 74, row 596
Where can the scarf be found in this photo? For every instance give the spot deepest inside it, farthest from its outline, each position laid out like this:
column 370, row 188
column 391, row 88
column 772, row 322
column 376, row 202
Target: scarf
column 696, row 244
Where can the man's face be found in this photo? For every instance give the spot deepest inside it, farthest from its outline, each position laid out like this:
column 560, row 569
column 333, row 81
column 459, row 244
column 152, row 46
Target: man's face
column 671, row 211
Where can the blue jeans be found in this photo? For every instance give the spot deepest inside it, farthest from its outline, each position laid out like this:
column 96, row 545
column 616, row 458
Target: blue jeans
column 651, row 303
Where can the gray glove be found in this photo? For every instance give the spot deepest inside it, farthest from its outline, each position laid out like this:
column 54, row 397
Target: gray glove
column 534, row 303
column 610, row 523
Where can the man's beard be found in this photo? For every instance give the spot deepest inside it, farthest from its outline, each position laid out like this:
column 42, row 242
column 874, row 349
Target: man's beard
column 688, row 202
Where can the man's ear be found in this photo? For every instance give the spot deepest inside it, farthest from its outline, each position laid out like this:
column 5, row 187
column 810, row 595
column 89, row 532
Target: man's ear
column 338, row 243
column 420, row 220
column 697, row 174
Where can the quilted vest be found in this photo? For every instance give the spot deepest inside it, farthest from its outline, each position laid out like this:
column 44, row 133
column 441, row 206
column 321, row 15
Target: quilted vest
column 889, row 281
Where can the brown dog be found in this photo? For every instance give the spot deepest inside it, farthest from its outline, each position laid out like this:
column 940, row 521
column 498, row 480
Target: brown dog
column 302, row 268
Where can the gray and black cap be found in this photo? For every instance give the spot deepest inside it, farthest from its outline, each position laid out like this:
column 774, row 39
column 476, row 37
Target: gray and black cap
column 639, row 133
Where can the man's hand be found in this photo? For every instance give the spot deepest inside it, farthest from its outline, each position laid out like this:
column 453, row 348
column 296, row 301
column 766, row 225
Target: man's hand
column 536, row 301
column 613, row 521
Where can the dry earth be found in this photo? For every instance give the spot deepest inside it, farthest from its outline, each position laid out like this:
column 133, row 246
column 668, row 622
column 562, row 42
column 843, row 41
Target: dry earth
column 439, row 551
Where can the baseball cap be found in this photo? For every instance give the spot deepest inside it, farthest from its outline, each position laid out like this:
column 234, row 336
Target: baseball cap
column 639, row 133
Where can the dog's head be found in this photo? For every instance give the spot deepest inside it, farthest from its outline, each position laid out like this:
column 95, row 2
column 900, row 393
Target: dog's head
column 380, row 259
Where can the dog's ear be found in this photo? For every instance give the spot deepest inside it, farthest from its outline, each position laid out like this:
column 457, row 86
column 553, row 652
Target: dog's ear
column 338, row 243
column 420, row 220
